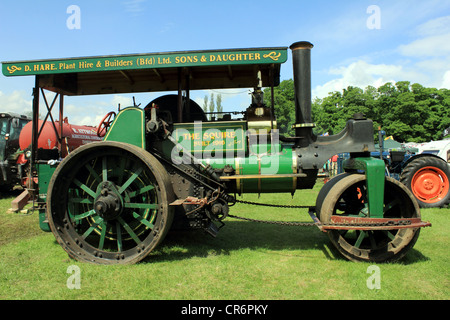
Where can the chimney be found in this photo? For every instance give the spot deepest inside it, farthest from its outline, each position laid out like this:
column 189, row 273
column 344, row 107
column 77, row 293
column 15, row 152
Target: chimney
column 301, row 56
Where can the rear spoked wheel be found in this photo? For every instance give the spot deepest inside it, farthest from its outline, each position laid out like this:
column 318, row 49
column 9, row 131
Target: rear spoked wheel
column 108, row 203
column 348, row 197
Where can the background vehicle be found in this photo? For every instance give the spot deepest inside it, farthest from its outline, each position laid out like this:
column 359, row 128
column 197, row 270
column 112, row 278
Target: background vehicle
column 11, row 157
column 166, row 166
column 425, row 172
column 15, row 145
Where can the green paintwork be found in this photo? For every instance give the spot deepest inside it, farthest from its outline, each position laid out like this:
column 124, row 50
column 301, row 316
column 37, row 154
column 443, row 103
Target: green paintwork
column 265, row 162
column 129, row 127
column 212, row 138
column 227, row 144
column 147, row 61
column 45, row 172
column 374, row 170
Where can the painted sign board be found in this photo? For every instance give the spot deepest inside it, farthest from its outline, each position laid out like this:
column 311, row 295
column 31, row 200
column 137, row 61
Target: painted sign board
column 146, row 61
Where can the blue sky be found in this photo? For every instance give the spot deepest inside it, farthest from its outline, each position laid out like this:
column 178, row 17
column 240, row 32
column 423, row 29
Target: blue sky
column 412, row 42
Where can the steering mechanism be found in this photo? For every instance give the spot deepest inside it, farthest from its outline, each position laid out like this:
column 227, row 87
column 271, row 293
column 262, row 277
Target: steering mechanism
column 105, row 124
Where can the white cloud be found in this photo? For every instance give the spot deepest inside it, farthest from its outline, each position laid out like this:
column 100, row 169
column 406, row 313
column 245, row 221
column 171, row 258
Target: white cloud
column 90, row 110
column 17, row 102
column 446, row 80
column 232, row 99
column 433, row 39
column 362, row 74
column 134, row 6
column 425, row 60
column 431, row 46
column 433, row 27
column 87, row 110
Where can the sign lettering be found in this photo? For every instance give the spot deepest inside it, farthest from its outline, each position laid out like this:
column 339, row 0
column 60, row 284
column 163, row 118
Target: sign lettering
column 205, row 58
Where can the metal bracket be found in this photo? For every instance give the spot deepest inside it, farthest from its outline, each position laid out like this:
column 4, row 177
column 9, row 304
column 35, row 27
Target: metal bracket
column 374, row 170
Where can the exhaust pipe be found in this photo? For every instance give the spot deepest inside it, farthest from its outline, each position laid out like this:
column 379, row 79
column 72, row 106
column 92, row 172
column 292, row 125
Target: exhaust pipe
column 301, row 56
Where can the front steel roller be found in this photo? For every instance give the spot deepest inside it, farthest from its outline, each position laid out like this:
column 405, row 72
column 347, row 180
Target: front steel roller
column 346, row 195
column 108, row 203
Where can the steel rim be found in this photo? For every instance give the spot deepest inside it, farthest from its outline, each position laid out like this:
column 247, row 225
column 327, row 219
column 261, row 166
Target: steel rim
column 109, row 208
column 349, row 198
column 430, row 184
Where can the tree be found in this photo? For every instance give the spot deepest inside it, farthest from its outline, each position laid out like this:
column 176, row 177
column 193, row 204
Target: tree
column 408, row 112
column 205, row 103
column 211, row 105
column 219, row 106
column 284, row 105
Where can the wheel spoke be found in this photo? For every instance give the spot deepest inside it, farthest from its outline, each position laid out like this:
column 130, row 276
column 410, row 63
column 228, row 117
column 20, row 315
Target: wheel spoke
column 84, row 187
column 93, row 173
column 81, row 200
column 373, row 243
column 121, row 170
column 140, row 205
column 119, row 236
column 389, row 234
column 390, row 205
column 129, row 230
column 102, row 236
column 131, row 179
column 105, row 169
column 98, row 221
column 361, row 237
column 79, row 217
column 143, row 221
column 140, row 191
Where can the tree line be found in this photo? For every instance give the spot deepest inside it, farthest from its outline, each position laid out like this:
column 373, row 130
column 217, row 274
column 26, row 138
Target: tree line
column 408, row 112
column 212, row 104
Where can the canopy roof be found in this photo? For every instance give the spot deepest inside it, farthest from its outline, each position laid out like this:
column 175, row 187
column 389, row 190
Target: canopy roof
column 167, row 71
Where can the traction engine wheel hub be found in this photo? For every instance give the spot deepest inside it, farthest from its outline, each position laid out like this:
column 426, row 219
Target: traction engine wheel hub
column 108, row 204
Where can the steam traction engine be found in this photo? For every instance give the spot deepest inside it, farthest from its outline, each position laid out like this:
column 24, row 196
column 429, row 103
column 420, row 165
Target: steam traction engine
column 167, row 166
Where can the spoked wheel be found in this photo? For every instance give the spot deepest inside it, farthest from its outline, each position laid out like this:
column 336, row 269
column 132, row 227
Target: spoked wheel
column 347, row 196
column 108, row 203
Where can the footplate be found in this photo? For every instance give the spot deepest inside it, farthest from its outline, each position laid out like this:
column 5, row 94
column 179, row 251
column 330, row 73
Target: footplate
column 358, row 223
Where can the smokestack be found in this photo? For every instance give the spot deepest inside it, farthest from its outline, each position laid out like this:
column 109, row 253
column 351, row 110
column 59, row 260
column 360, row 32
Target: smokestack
column 301, row 56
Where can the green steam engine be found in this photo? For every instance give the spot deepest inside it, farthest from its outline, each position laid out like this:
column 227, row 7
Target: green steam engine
column 168, row 165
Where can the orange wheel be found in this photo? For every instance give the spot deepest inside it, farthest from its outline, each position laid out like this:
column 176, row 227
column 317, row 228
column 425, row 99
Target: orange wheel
column 428, row 179
column 430, row 184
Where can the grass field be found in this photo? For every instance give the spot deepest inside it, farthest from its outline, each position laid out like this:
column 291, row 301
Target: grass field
column 246, row 261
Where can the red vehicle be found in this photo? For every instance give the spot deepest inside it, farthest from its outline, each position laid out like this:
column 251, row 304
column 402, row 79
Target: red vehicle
column 15, row 144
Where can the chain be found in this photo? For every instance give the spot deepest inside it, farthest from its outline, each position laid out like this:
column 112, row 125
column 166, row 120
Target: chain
column 310, row 224
column 273, row 205
column 284, row 223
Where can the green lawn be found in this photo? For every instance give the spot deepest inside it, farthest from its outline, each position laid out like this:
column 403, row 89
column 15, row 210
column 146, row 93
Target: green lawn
column 245, row 261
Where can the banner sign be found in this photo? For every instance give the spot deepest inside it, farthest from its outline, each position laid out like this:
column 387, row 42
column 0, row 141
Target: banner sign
column 146, row 61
